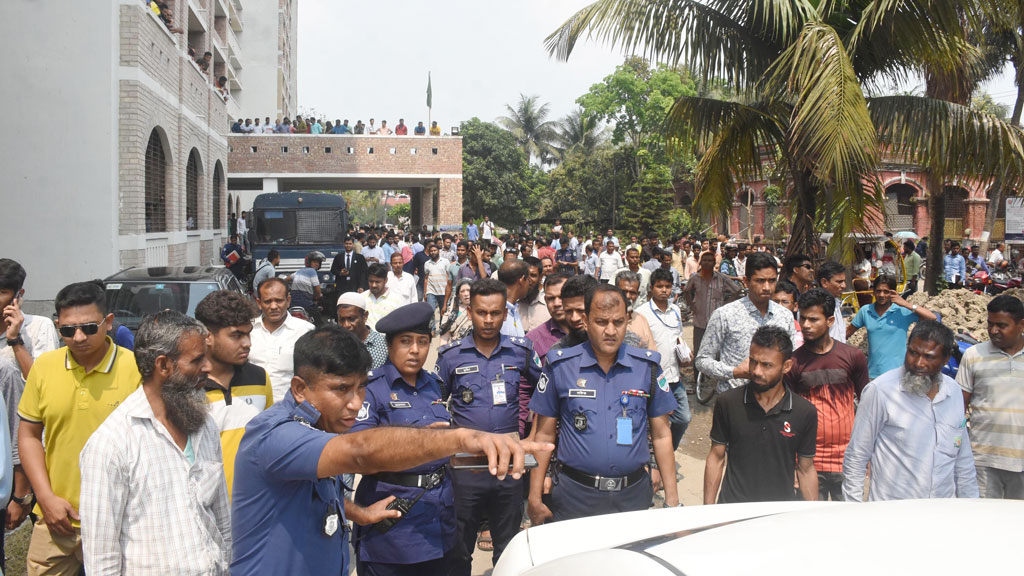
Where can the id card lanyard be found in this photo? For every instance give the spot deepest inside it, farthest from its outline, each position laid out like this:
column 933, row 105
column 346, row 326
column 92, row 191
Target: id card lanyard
column 624, row 424
column 498, row 388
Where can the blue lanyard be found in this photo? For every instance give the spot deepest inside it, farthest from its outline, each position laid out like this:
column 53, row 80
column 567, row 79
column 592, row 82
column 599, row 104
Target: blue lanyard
column 679, row 321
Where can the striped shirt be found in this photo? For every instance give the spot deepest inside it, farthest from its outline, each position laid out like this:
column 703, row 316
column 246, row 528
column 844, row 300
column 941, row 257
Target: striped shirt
column 830, row 381
column 995, row 381
column 145, row 508
column 249, row 393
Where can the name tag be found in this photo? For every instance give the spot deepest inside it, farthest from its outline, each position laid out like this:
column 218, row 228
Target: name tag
column 467, row 369
column 400, row 405
column 498, row 392
column 576, row 393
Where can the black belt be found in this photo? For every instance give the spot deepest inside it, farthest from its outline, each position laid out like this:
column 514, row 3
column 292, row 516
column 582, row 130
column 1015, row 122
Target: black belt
column 604, row 483
column 425, row 481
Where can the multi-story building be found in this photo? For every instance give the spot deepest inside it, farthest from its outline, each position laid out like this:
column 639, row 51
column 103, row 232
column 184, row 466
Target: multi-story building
column 265, row 80
column 114, row 153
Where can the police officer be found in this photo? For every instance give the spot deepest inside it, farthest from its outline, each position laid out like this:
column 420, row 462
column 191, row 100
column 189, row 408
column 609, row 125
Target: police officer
column 489, row 377
column 287, row 511
column 401, row 393
column 604, row 395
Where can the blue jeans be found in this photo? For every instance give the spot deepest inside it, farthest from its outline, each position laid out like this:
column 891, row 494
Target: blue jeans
column 435, row 302
column 680, row 418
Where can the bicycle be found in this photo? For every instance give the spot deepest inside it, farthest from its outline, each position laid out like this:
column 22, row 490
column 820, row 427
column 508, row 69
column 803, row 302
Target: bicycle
column 706, row 388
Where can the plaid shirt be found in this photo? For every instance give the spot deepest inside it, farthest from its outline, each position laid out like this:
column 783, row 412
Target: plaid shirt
column 145, row 509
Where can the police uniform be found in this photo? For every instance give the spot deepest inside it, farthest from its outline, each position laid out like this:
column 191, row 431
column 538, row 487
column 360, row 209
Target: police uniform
column 423, row 539
column 603, row 448
column 286, row 520
column 489, row 394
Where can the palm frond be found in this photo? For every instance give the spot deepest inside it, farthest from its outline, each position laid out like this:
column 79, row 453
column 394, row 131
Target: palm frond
column 830, row 131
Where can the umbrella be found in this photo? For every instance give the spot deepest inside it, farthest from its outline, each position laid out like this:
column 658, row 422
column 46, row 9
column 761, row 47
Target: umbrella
column 906, row 235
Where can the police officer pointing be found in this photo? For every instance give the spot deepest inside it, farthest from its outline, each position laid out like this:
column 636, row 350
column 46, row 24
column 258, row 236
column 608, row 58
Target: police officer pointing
column 288, row 515
column 401, row 393
column 485, row 373
column 604, row 395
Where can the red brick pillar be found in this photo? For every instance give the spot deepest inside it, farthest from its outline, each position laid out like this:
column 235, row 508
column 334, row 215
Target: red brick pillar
column 450, row 199
column 427, row 207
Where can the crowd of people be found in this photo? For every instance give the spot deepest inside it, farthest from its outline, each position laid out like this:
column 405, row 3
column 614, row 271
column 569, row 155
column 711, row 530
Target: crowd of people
column 228, row 442
column 314, row 126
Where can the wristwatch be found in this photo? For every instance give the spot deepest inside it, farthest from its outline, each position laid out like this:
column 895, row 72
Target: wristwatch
column 19, row 341
column 913, row 308
column 26, row 500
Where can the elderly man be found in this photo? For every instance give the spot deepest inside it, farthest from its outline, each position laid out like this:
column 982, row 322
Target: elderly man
column 910, row 426
column 352, row 316
column 153, row 499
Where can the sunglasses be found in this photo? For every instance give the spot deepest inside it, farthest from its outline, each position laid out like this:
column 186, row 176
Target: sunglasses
column 87, row 329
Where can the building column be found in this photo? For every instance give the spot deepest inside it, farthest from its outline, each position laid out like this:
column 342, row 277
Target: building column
column 415, row 202
column 975, row 219
column 269, row 185
column 449, row 197
column 760, row 210
column 921, row 224
column 427, row 207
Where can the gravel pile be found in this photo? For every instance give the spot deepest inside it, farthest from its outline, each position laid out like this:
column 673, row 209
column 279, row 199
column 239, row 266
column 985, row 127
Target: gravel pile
column 960, row 309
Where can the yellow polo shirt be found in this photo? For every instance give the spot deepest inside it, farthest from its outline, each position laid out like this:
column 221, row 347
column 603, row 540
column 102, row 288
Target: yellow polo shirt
column 248, row 394
column 71, row 404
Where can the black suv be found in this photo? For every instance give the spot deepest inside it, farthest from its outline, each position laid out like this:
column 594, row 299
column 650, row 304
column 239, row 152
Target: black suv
column 135, row 293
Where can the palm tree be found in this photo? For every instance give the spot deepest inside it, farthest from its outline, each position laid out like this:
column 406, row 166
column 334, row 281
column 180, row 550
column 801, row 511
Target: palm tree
column 528, row 122
column 577, row 131
column 797, row 67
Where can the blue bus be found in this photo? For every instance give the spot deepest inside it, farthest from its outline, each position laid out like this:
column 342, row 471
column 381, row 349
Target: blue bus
column 297, row 223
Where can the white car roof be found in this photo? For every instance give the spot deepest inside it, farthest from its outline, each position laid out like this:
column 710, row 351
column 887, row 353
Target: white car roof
column 934, row 537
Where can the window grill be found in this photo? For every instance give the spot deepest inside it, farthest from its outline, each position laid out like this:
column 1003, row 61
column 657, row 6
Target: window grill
column 156, row 184
column 192, row 191
column 218, row 182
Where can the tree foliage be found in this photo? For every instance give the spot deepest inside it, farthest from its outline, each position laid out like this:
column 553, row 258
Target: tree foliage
column 528, row 122
column 495, row 174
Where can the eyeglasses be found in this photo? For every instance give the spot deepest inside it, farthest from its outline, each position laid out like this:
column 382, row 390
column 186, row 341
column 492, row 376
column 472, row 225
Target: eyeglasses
column 808, row 265
column 88, row 329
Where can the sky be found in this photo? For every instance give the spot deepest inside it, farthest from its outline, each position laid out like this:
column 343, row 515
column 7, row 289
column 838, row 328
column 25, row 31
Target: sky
column 369, row 59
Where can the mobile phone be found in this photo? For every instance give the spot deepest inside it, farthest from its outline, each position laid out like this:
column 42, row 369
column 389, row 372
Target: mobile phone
column 479, row 462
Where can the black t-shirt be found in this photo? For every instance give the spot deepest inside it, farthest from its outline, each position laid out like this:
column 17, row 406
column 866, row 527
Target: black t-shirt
column 762, row 448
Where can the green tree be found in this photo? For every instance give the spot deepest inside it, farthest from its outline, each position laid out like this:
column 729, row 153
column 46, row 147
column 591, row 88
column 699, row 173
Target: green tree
column 400, row 213
column 578, row 131
column 495, row 174
column 534, row 133
column 580, row 189
column 797, row 67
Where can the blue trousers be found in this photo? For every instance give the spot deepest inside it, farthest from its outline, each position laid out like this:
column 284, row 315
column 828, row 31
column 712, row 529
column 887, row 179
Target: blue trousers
column 680, row 418
column 570, row 499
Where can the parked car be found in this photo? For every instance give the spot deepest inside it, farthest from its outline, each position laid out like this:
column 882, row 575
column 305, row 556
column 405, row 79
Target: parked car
column 780, row 538
column 136, row 292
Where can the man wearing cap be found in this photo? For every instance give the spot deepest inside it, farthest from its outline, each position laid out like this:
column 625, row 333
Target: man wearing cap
column 490, row 378
column 288, row 514
column 352, row 316
column 402, row 394
column 605, row 397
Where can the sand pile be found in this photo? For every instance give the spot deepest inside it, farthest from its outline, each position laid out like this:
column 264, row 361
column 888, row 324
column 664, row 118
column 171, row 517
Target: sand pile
column 960, row 310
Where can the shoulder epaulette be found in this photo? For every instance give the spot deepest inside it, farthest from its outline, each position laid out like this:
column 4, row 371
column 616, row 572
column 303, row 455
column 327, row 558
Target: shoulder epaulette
column 561, row 354
column 649, row 355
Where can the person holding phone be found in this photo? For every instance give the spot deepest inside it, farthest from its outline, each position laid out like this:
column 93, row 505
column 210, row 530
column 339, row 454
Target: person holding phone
column 28, row 336
column 490, row 378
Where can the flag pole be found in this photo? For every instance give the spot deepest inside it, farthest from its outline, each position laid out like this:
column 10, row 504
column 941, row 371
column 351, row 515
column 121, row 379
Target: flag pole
column 430, row 109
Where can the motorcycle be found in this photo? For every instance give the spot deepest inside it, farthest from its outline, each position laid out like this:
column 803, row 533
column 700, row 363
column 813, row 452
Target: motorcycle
column 962, row 341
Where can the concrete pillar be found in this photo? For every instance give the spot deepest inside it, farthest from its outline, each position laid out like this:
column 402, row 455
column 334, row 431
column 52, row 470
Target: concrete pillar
column 759, row 219
column 427, row 207
column 975, row 220
column 921, row 223
column 270, row 185
column 415, row 201
column 450, row 199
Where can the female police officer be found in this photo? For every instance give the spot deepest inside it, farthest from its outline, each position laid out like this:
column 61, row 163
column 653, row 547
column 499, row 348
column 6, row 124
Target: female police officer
column 401, row 393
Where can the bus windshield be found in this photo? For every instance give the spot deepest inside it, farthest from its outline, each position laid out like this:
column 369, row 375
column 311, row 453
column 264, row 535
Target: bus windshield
column 284, row 227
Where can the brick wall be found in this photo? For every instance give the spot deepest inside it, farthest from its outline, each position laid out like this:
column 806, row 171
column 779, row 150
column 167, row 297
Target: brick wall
column 450, row 199
column 269, row 157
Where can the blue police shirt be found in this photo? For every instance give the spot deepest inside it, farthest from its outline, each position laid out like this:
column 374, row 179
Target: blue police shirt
column 574, row 389
column 429, row 529
column 472, row 380
column 279, row 508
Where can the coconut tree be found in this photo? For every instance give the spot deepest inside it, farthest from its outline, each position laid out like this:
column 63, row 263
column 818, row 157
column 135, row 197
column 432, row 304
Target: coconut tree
column 797, row 68
column 577, row 131
column 528, row 122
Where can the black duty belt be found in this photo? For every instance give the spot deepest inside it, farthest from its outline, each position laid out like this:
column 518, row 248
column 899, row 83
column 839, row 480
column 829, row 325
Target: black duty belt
column 425, row 481
column 604, row 483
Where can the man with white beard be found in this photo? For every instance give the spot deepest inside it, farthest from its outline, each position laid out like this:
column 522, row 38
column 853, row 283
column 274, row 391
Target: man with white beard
column 910, row 426
column 154, row 499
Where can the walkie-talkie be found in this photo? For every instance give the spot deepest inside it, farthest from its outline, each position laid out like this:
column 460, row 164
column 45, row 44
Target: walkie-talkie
column 403, row 505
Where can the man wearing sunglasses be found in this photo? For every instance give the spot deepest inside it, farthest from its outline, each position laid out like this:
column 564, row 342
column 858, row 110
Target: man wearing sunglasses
column 799, row 270
column 69, row 392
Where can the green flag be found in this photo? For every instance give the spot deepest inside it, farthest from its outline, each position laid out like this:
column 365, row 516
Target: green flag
column 430, row 93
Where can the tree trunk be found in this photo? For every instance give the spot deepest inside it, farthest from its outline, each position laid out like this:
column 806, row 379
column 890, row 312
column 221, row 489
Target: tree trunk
column 996, row 195
column 937, row 217
column 802, row 236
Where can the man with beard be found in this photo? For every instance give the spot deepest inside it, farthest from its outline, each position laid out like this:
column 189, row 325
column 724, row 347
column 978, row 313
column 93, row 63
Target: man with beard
column 605, row 397
column 69, row 392
column 153, row 495
column 643, row 274
column 767, row 431
column 990, row 377
column 574, row 293
column 531, row 307
column 550, row 332
column 352, row 316
column 829, row 374
column 910, row 426
column 638, row 331
column 236, row 389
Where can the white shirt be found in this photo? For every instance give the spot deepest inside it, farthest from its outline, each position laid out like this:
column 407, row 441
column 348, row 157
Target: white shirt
column 242, row 227
column 666, row 327
column 918, row 447
column 39, row 335
column 609, row 264
column 145, row 509
column 378, row 308
column 486, row 230
column 513, row 324
column 995, row 257
column 375, row 252
column 273, row 351
column 402, row 289
column 838, row 330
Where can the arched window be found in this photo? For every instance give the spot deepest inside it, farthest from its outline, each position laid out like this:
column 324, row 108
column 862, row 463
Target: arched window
column 192, row 191
column 899, row 207
column 218, row 183
column 156, row 184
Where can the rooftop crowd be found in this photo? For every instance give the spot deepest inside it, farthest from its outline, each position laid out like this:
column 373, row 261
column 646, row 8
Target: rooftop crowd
column 314, row 126
column 230, row 442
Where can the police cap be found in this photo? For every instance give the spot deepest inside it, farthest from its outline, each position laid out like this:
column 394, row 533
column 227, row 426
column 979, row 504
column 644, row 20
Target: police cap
column 409, row 318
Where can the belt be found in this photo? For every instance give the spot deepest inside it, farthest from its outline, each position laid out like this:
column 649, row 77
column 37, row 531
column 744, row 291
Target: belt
column 604, row 483
column 425, row 481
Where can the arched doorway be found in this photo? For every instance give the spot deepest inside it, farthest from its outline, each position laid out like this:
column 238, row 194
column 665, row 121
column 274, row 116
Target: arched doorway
column 956, row 211
column 155, row 184
column 192, row 191
column 899, row 207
